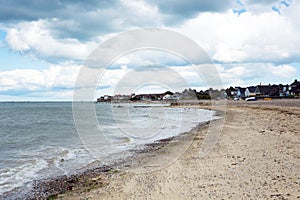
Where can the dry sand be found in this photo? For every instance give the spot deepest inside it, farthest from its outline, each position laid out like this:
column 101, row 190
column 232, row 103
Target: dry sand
column 257, row 157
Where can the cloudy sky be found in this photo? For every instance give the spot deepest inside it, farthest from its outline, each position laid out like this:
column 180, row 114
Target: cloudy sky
column 43, row 44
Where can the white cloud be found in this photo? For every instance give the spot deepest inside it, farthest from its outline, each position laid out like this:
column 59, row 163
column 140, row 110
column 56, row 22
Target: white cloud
column 225, row 53
column 227, row 37
column 111, row 77
column 140, row 13
column 246, row 74
column 143, row 57
column 36, row 37
column 249, row 37
column 232, row 76
column 57, row 82
column 126, row 81
column 56, row 76
column 180, row 77
column 257, row 45
column 284, row 71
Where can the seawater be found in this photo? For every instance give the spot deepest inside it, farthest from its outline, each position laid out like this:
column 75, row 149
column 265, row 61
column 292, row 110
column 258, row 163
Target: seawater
column 40, row 140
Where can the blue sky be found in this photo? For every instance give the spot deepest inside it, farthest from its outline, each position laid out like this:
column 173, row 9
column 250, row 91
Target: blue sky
column 44, row 45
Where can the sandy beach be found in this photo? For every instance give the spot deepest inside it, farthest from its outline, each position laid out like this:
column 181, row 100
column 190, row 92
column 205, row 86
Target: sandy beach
column 257, row 157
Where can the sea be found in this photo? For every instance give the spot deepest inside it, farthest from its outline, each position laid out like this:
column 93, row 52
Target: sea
column 40, row 140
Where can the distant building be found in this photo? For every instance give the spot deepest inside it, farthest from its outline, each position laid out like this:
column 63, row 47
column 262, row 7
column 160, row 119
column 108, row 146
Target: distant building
column 119, row 97
column 267, row 90
column 105, row 98
column 240, row 92
column 294, row 88
column 172, row 97
column 284, row 90
column 100, row 99
column 231, row 92
column 234, row 93
column 149, row 97
column 250, row 91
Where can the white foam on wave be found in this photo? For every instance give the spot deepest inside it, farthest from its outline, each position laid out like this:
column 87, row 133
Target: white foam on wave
column 53, row 160
column 171, row 122
column 11, row 178
column 65, row 160
column 40, row 165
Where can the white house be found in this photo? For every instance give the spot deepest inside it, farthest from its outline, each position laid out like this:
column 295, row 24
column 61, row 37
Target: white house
column 170, row 97
column 250, row 91
column 240, row 92
column 167, row 97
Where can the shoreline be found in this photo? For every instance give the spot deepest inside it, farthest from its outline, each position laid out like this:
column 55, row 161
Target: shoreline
column 96, row 174
column 235, row 156
column 257, row 157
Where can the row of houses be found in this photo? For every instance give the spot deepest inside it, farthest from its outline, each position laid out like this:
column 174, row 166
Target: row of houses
column 187, row 94
column 191, row 94
column 265, row 90
column 140, row 97
column 153, row 97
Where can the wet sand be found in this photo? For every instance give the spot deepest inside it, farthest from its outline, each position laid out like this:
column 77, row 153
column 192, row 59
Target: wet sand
column 257, row 157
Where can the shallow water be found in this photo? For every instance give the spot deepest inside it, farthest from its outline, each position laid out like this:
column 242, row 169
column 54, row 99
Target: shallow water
column 40, row 140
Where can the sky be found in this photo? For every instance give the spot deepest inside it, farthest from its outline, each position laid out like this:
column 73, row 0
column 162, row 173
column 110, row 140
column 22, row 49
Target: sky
column 44, row 44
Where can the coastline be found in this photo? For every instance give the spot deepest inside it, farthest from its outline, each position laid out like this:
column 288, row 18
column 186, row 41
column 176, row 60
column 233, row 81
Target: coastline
column 257, row 157
column 97, row 174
